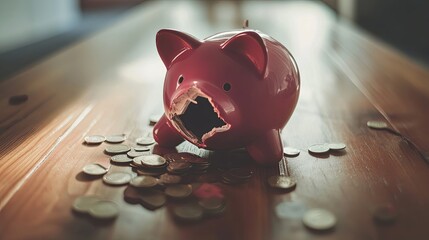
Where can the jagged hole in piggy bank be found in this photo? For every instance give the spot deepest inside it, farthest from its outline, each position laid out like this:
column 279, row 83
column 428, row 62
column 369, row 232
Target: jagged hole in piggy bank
column 234, row 89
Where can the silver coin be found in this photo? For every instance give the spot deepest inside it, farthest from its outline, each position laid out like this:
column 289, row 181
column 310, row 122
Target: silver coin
column 116, row 138
column 82, row 204
column 291, row 152
column 377, row 124
column 141, row 148
column 336, row 146
column 290, row 210
column 319, row 148
column 281, row 182
column 117, row 178
column 116, row 149
column 104, row 210
column 94, row 139
column 145, row 141
column 137, row 161
column 152, row 160
column 121, row 158
column 94, row 169
column 144, row 182
column 134, row 154
column 319, row 219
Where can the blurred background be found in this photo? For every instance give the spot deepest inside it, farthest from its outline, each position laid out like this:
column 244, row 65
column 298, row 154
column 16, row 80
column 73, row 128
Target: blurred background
column 31, row 30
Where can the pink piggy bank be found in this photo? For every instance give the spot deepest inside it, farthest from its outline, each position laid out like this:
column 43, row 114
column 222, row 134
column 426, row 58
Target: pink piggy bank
column 232, row 90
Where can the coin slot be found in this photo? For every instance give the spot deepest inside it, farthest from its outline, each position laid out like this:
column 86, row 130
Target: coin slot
column 200, row 118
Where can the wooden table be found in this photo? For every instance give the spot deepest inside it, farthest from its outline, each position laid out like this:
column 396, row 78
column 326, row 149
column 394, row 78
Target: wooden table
column 112, row 82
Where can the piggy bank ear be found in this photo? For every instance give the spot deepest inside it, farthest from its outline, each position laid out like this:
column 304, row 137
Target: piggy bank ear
column 171, row 44
column 251, row 46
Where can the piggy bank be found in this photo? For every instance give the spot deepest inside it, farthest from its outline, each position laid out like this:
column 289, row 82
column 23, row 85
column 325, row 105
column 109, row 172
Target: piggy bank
column 235, row 89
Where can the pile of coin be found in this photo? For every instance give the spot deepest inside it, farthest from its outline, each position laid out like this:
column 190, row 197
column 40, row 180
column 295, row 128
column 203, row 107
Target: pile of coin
column 96, row 207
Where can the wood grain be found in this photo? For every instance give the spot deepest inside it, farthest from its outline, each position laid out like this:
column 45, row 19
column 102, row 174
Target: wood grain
column 112, row 82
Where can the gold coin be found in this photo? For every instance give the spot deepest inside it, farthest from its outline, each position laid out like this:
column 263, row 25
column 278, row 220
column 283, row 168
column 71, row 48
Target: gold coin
column 144, row 182
column 82, row 204
column 153, row 199
column 281, row 182
column 94, row 139
column 291, row 152
column 116, row 138
column 104, row 210
column 117, row 149
column 319, row 219
column 377, row 124
column 94, row 169
column 152, row 161
column 178, row 190
column 121, row 158
column 117, row 178
column 319, row 148
column 145, row 141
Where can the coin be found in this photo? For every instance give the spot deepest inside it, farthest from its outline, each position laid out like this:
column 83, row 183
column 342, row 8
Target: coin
column 132, row 194
column 212, row 204
column 145, row 141
column 121, row 158
column 116, row 149
column 117, row 178
column 94, row 169
column 82, row 204
column 385, row 214
column 336, row 146
column 291, row 152
column 169, row 179
column 178, row 190
column 319, row 148
column 151, row 171
column 290, row 210
column 134, row 154
column 319, row 219
column 141, row 148
column 104, row 210
column 188, row 212
column 94, row 139
column 153, row 199
column 144, row 182
column 281, row 182
column 178, row 167
column 116, row 138
column 152, row 161
column 377, row 124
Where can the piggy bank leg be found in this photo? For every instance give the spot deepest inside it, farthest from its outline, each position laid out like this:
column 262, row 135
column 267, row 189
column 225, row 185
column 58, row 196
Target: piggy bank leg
column 165, row 135
column 267, row 149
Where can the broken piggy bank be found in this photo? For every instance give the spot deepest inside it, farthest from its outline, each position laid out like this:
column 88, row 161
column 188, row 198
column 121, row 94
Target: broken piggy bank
column 232, row 90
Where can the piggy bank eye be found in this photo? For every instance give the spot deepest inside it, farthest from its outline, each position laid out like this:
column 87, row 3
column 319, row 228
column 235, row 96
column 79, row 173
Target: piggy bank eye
column 180, row 79
column 227, row 86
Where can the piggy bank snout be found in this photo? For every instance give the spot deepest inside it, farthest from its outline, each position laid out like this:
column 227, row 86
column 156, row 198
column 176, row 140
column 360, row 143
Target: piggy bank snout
column 199, row 110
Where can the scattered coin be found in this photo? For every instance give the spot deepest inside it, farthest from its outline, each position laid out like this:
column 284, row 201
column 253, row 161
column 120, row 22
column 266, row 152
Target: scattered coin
column 291, row 152
column 281, row 182
column 153, row 199
column 117, row 149
column 132, row 195
column 178, row 190
column 385, row 214
column 167, row 179
column 141, row 148
column 319, row 219
column 18, row 99
column 117, row 178
column 377, row 124
column 188, row 212
column 144, row 182
column 121, row 158
column 116, row 138
column 145, row 141
column 152, row 161
column 134, row 154
column 104, row 210
column 336, row 146
column 94, row 169
column 319, row 148
column 290, row 210
column 94, row 139
column 82, row 204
